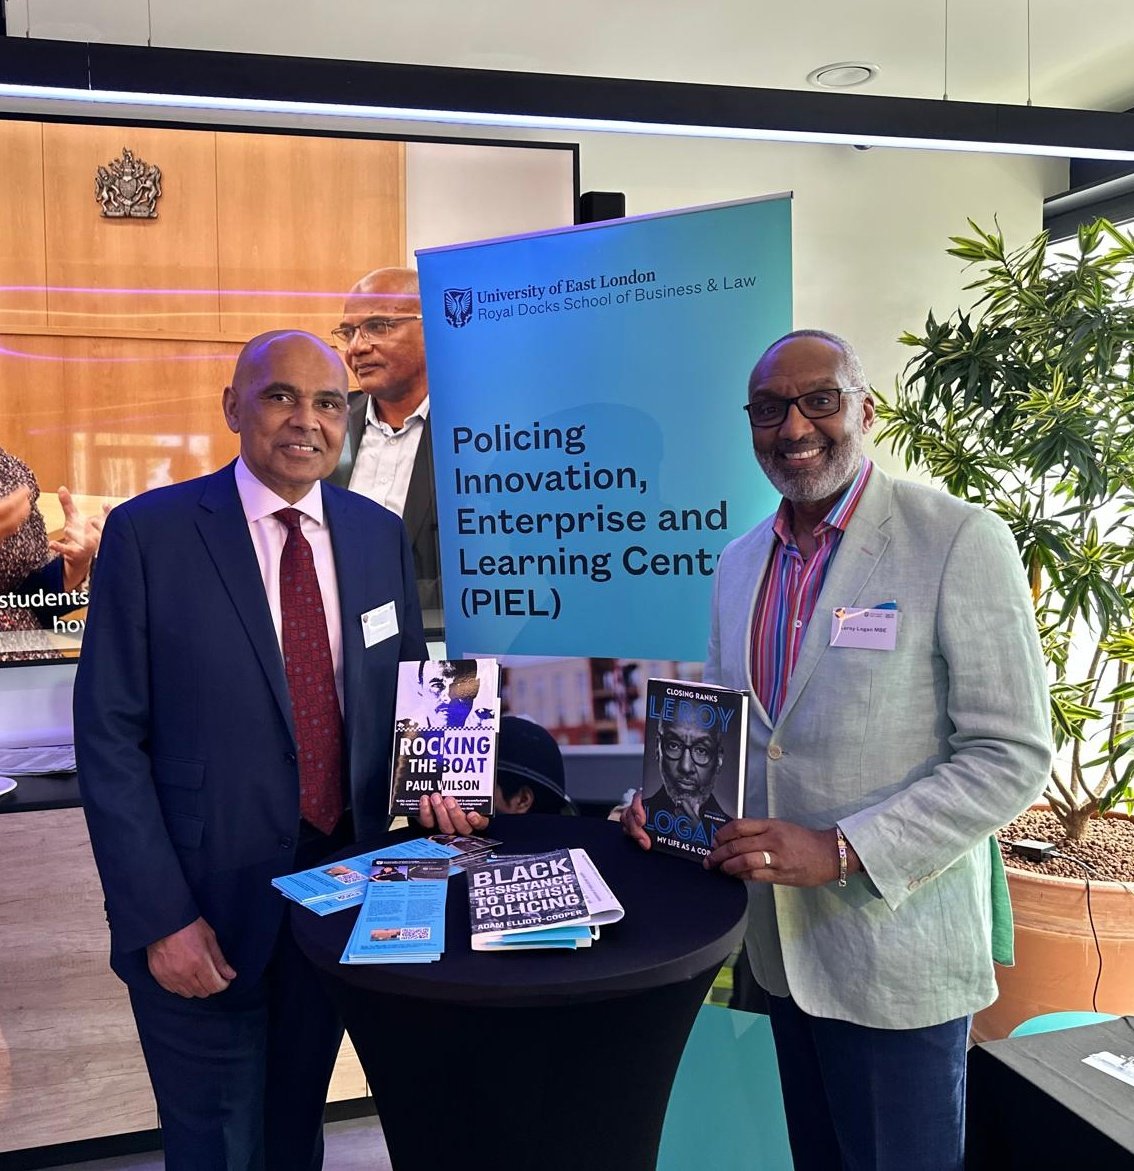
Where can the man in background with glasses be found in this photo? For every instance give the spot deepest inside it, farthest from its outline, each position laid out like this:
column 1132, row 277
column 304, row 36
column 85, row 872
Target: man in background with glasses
column 886, row 633
column 388, row 454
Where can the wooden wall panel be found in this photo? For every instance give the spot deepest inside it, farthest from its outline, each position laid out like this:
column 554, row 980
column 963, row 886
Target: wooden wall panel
column 300, row 217
column 176, row 252
column 32, row 415
column 23, row 301
column 114, row 416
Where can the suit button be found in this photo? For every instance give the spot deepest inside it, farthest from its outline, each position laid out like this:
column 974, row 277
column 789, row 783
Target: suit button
column 775, row 752
column 286, row 843
column 290, row 757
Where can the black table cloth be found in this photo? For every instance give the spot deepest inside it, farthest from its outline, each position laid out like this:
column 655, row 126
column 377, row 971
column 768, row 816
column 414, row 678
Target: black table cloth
column 1032, row 1102
column 539, row 1059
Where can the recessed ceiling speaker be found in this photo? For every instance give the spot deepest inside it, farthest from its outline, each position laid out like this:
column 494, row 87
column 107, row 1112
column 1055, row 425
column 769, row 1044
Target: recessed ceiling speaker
column 842, row 75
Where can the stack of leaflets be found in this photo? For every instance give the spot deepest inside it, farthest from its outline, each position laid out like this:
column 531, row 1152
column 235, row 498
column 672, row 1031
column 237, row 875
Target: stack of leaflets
column 469, row 847
column 335, row 886
column 402, row 919
column 696, row 739
column 556, row 899
column 446, row 720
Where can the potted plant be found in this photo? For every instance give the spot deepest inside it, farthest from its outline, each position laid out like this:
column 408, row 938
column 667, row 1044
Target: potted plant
column 1024, row 404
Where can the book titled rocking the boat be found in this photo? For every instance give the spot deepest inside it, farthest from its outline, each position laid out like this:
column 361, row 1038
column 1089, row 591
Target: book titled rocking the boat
column 446, row 721
column 696, row 739
column 556, row 899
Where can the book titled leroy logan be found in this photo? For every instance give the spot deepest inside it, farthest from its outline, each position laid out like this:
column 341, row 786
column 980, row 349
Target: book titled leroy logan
column 446, row 721
column 693, row 767
column 555, row 899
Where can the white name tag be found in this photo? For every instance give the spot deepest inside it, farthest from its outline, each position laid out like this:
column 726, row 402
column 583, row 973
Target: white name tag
column 379, row 624
column 871, row 630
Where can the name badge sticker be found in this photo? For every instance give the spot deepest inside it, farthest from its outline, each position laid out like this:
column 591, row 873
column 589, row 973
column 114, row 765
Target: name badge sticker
column 379, row 624
column 870, row 630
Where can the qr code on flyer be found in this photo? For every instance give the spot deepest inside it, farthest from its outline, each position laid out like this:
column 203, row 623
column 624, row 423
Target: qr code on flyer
column 414, row 933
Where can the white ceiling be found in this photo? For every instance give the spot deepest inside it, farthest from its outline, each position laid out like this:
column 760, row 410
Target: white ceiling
column 1081, row 50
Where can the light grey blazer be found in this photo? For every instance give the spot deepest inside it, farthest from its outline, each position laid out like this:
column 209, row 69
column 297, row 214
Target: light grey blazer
column 918, row 753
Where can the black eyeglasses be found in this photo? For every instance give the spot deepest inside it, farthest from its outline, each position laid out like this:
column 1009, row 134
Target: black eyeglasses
column 373, row 329
column 770, row 410
column 702, row 751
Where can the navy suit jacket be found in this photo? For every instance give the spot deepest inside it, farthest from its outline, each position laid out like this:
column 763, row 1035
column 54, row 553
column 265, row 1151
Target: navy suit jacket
column 183, row 728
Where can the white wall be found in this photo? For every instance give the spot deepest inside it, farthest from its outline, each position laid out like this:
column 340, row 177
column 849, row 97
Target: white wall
column 870, row 228
column 455, row 193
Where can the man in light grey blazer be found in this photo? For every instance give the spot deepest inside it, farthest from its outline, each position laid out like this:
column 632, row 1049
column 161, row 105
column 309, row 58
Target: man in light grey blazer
column 900, row 715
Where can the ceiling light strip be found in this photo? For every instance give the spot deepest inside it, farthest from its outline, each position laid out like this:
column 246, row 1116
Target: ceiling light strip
column 537, row 121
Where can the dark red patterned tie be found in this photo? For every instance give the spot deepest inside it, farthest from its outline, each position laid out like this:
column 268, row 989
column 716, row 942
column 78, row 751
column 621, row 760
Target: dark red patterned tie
column 311, row 680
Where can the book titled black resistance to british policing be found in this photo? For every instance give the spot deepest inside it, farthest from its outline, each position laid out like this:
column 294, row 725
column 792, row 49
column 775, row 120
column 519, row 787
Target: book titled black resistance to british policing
column 696, row 738
column 556, row 899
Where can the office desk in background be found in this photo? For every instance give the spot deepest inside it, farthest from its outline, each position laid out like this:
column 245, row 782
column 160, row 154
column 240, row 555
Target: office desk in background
column 561, row 1060
column 1032, row 1103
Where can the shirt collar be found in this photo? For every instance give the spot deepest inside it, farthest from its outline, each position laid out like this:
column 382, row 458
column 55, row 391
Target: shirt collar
column 420, row 412
column 839, row 514
column 259, row 501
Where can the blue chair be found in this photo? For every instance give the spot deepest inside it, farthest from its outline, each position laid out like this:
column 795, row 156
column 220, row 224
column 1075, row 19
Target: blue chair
column 726, row 1108
column 1049, row 1022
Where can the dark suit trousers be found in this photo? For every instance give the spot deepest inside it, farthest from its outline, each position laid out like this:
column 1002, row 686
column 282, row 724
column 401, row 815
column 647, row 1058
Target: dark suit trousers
column 865, row 1099
column 241, row 1077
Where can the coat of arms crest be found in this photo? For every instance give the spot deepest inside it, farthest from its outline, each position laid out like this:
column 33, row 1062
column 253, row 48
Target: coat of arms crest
column 128, row 188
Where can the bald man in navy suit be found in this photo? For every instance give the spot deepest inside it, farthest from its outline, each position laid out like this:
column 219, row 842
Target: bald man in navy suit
column 188, row 754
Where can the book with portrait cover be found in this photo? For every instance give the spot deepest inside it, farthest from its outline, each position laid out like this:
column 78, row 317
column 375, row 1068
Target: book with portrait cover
column 446, row 721
column 402, row 917
column 693, row 766
column 555, row 899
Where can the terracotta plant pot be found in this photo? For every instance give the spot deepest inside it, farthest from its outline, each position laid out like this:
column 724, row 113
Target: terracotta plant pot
column 1056, row 961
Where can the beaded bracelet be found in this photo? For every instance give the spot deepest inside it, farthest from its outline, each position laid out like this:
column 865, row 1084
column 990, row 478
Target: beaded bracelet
column 841, row 841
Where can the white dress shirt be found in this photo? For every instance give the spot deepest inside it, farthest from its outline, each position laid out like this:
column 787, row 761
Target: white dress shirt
column 384, row 463
column 268, row 537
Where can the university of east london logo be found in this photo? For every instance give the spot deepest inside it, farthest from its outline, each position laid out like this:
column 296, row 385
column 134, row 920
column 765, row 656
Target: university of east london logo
column 458, row 307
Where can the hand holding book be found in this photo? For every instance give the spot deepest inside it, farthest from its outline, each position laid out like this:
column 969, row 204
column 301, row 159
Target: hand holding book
column 443, row 815
column 774, row 850
column 693, row 768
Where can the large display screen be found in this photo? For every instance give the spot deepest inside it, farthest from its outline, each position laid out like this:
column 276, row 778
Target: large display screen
column 136, row 260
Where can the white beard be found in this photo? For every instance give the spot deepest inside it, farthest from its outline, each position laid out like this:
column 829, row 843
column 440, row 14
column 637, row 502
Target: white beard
column 841, row 462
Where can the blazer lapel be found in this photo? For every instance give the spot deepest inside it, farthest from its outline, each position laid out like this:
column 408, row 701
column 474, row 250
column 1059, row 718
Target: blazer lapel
column 859, row 552
column 356, row 424
column 757, row 567
column 419, row 495
column 349, row 543
column 224, row 530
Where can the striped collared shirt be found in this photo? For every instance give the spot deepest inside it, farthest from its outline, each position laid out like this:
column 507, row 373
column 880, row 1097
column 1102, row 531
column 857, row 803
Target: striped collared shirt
column 789, row 592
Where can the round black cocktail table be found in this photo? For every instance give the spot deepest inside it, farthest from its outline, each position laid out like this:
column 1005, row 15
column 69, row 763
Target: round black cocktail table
column 545, row 1059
